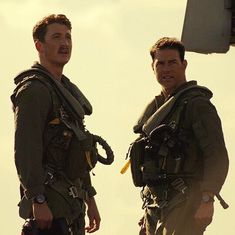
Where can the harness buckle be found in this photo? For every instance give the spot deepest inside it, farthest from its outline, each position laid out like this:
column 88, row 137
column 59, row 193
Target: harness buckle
column 179, row 185
column 73, row 192
column 50, row 178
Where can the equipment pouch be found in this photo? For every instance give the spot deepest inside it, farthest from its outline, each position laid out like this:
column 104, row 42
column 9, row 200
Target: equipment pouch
column 25, row 207
column 136, row 154
column 151, row 173
column 82, row 157
column 76, row 163
column 57, row 140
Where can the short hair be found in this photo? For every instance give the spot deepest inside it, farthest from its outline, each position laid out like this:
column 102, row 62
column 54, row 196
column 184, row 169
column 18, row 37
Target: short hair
column 168, row 43
column 40, row 29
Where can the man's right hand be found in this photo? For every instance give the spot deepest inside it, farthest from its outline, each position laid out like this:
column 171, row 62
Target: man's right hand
column 42, row 215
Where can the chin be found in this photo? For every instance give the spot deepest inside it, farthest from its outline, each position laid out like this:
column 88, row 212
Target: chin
column 64, row 59
column 168, row 85
column 63, row 62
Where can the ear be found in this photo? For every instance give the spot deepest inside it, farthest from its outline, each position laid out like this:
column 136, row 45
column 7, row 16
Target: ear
column 154, row 66
column 185, row 63
column 38, row 45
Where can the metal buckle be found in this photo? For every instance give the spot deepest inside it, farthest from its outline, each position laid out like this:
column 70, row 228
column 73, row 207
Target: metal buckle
column 73, row 191
column 49, row 178
column 179, row 185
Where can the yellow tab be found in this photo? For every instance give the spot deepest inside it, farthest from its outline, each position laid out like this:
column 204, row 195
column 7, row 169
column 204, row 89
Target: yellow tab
column 126, row 166
column 88, row 158
column 55, row 121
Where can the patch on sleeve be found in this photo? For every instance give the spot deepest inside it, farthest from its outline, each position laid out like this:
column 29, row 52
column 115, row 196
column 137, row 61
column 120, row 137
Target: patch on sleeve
column 23, row 87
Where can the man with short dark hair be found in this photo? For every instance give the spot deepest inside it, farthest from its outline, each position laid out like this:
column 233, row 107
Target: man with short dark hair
column 180, row 157
column 53, row 151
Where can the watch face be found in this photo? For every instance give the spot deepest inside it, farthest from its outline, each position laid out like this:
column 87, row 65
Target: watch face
column 40, row 198
column 205, row 198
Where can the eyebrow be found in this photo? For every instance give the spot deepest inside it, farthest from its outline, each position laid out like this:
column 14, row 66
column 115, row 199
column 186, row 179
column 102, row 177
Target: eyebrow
column 163, row 61
column 56, row 34
column 172, row 60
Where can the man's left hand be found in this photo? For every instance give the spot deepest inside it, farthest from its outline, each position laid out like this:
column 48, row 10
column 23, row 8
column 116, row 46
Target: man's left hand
column 204, row 214
column 93, row 215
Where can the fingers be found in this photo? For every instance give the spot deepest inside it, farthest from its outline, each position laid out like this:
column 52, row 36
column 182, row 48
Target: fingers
column 204, row 214
column 93, row 215
column 94, row 225
column 203, row 221
column 42, row 215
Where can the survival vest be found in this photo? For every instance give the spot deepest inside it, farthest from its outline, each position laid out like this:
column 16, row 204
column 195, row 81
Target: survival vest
column 69, row 149
column 69, row 101
column 160, row 141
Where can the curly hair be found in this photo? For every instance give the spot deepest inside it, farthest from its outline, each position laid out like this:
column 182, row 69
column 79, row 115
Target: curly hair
column 40, row 29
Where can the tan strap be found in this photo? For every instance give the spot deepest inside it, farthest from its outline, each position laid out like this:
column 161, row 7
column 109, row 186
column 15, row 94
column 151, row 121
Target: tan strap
column 55, row 121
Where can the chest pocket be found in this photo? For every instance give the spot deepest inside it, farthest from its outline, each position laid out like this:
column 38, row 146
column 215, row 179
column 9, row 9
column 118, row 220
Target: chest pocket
column 57, row 140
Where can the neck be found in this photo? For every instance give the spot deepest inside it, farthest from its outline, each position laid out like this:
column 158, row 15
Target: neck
column 168, row 91
column 55, row 71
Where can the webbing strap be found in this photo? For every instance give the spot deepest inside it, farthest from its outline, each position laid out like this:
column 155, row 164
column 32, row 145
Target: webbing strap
column 88, row 158
column 168, row 107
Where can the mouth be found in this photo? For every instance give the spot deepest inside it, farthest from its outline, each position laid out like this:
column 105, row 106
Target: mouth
column 63, row 50
column 166, row 78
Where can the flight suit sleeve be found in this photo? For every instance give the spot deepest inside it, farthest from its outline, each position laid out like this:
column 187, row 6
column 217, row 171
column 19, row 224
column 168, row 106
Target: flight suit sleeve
column 208, row 132
column 31, row 104
column 87, row 186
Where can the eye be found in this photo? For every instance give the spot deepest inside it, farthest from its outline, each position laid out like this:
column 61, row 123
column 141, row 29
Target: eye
column 172, row 62
column 68, row 36
column 56, row 36
column 159, row 63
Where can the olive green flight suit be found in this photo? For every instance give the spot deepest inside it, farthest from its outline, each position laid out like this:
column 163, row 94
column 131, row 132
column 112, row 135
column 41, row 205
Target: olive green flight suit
column 40, row 140
column 205, row 157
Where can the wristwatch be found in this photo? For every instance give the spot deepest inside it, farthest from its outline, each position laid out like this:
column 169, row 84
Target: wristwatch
column 207, row 198
column 40, row 198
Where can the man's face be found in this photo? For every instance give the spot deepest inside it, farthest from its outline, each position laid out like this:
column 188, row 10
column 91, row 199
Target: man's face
column 169, row 69
column 57, row 47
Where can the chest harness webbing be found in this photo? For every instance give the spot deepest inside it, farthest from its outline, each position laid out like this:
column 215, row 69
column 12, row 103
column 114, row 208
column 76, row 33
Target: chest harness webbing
column 173, row 120
column 76, row 104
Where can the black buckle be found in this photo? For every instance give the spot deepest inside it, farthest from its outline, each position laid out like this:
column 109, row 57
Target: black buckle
column 73, row 192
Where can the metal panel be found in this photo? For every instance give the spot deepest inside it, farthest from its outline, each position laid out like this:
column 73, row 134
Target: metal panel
column 207, row 26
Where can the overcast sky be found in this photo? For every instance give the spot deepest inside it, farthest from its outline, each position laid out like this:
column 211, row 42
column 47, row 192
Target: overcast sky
column 111, row 65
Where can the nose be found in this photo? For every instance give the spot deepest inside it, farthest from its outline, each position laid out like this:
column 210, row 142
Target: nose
column 65, row 41
column 166, row 68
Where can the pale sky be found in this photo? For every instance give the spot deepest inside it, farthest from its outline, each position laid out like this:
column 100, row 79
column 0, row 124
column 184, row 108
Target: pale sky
column 112, row 66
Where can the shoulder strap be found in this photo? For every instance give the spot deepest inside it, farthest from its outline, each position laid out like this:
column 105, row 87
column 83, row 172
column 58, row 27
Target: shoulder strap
column 168, row 107
column 148, row 112
column 69, row 101
column 72, row 103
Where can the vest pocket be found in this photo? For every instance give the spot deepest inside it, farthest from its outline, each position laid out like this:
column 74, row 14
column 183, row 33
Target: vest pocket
column 57, row 140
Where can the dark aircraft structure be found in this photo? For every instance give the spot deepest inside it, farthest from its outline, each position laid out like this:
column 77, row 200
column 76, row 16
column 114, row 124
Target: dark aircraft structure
column 209, row 26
